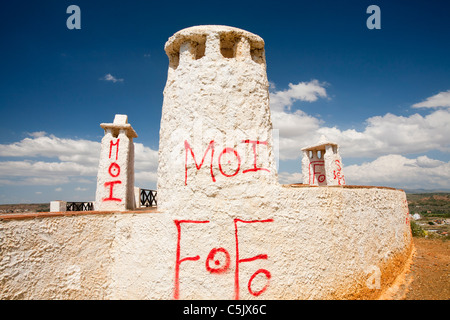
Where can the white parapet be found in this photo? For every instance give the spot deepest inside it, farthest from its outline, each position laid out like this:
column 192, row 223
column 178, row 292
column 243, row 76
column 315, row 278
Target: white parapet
column 58, row 206
column 137, row 197
column 115, row 179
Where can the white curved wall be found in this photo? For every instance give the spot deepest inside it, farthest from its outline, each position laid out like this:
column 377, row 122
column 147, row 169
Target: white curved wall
column 322, row 243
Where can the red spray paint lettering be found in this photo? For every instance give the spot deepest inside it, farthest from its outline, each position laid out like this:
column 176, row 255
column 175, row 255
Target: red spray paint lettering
column 111, row 144
column 406, row 207
column 254, row 143
column 113, row 171
column 338, row 173
column 212, row 257
column 221, row 265
column 211, row 145
column 111, row 184
column 227, row 150
column 187, row 146
column 178, row 261
column 318, row 170
column 239, row 260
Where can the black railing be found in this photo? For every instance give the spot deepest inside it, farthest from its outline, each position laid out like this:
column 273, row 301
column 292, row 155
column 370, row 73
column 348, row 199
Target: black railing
column 79, row 206
column 148, row 198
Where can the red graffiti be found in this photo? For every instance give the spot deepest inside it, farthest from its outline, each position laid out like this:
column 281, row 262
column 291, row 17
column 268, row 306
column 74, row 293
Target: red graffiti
column 220, row 258
column 320, row 172
column 111, row 144
column 338, row 173
column 226, row 150
column 178, row 261
column 187, row 146
column 211, row 147
column 111, row 184
column 113, row 171
column 405, row 205
column 239, row 260
column 218, row 268
column 254, row 143
column 249, row 286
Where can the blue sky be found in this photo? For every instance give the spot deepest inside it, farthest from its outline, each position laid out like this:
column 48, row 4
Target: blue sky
column 382, row 94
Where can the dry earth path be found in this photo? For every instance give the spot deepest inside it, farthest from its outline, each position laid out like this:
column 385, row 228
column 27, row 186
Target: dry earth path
column 429, row 276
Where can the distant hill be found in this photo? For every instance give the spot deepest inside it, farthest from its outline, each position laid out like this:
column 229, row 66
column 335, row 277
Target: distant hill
column 429, row 204
column 25, row 207
column 427, row 191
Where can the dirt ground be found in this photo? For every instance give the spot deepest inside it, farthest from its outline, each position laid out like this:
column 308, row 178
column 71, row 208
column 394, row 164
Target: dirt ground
column 429, row 276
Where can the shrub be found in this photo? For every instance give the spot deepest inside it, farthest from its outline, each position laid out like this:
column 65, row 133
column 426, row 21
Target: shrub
column 417, row 230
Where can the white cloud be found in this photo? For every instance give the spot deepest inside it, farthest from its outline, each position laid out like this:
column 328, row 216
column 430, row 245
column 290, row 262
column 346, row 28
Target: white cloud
column 59, row 189
column 382, row 135
column 146, row 159
column 394, row 134
column 425, row 162
column 145, row 178
column 296, row 129
column 442, row 99
column 146, row 165
column 37, row 134
column 76, row 161
column 391, row 171
column 42, row 145
column 33, row 181
column 303, row 91
column 290, row 178
column 42, row 168
column 399, row 171
column 109, row 77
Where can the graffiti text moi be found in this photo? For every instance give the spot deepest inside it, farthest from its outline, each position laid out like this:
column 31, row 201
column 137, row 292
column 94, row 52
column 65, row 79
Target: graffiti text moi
column 226, row 151
column 113, row 171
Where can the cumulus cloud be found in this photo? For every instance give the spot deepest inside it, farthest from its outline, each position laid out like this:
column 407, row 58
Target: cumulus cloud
column 442, row 99
column 399, row 171
column 296, row 129
column 290, row 178
column 385, row 134
column 394, row 134
column 391, row 171
column 425, row 162
column 61, row 161
column 146, row 159
column 109, row 77
column 303, row 91
column 49, row 146
column 385, row 138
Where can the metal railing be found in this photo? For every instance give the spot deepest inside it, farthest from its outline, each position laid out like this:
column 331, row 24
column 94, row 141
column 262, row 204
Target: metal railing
column 79, row 206
column 148, row 198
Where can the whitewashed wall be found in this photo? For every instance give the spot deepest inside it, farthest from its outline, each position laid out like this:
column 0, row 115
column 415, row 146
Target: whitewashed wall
column 335, row 243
